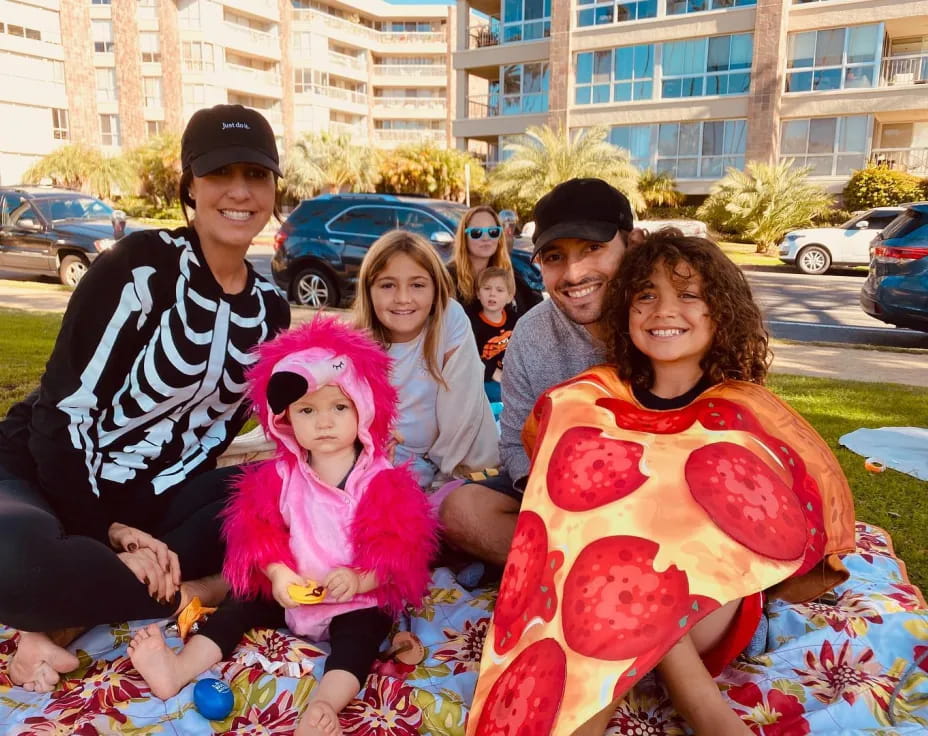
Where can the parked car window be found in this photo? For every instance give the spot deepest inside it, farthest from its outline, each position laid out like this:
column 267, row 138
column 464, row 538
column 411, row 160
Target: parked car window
column 419, row 222
column 9, row 205
column 902, row 225
column 878, row 222
column 24, row 216
column 369, row 221
column 74, row 208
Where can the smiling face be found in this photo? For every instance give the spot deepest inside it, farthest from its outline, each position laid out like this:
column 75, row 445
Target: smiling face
column 483, row 246
column 402, row 295
column 575, row 273
column 325, row 422
column 669, row 320
column 233, row 204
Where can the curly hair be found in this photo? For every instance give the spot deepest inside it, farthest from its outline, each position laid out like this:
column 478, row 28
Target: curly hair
column 739, row 349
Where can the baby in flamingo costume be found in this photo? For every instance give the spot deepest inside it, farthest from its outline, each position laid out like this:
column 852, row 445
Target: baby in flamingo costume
column 329, row 509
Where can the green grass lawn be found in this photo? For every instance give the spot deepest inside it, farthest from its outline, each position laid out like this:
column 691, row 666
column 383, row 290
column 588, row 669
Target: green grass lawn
column 894, row 501
column 744, row 254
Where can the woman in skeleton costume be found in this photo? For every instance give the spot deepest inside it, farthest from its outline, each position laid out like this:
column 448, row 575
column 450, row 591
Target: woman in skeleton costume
column 107, row 469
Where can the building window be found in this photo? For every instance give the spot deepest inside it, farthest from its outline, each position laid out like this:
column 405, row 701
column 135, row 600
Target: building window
column 698, row 67
column 99, row 2
column 102, row 36
column 831, row 146
column 32, row 34
column 106, row 85
column 615, row 75
column 702, row 150
column 148, row 9
column 153, row 127
column 526, row 20
column 601, row 12
column 57, row 71
column 198, row 56
column 678, row 7
column 109, row 130
column 188, row 14
column 836, row 58
column 150, row 44
column 524, row 89
column 60, row 130
column 302, row 41
column 195, row 94
column 153, row 94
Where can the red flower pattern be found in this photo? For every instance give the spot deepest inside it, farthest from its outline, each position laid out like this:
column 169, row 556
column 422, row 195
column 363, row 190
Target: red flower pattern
column 464, row 648
column 772, row 714
column 280, row 717
column 385, row 708
column 846, row 675
column 103, row 687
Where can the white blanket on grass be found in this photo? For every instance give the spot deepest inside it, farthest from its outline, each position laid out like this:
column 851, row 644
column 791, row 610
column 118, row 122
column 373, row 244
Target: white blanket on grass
column 901, row 448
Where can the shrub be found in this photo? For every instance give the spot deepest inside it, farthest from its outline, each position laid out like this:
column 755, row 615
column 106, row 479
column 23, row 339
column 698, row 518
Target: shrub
column 683, row 212
column 878, row 186
column 833, row 217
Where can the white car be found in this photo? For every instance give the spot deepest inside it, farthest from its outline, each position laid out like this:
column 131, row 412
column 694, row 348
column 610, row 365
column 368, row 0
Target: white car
column 817, row 249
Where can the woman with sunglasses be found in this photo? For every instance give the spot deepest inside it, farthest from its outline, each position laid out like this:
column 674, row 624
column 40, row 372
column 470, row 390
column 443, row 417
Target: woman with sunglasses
column 480, row 242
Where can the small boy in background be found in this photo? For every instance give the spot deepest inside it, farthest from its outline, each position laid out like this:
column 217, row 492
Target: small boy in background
column 492, row 325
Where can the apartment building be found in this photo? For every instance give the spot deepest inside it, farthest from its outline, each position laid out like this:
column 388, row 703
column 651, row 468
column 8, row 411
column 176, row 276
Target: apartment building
column 695, row 86
column 111, row 73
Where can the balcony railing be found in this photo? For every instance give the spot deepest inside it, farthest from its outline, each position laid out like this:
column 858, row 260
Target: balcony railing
column 484, row 34
column 361, row 31
column 344, row 60
column 410, row 103
column 904, row 70
column 340, row 93
column 912, row 160
column 260, row 76
column 491, row 106
column 348, row 129
column 411, row 70
column 251, row 35
column 409, row 136
column 412, row 37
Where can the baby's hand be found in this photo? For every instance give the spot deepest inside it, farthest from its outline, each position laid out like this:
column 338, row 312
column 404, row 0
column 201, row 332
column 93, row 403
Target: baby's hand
column 343, row 584
column 282, row 577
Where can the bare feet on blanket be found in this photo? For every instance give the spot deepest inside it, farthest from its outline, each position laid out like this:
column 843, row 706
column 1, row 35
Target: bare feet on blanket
column 156, row 662
column 319, row 719
column 211, row 591
column 39, row 663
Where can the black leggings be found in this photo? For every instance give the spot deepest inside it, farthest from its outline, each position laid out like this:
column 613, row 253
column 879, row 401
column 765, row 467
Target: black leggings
column 355, row 637
column 49, row 580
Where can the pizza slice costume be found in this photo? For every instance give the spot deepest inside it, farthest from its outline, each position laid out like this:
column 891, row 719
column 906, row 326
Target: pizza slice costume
column 636, row 524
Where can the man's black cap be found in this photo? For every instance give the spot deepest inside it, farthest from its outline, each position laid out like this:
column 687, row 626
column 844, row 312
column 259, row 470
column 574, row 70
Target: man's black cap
column 228, row 134
column 589, row 209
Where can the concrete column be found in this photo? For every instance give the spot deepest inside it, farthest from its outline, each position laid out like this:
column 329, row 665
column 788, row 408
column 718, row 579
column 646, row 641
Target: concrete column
column 128, row 74
column 284, row 33
column 79, row 76
column 767, row 79
column 171, row 67
column 559, row 63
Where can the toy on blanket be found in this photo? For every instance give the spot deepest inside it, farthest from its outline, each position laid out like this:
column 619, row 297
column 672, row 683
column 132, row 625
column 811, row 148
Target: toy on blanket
column 309, row 594
column 213, row 699
column 192, row 614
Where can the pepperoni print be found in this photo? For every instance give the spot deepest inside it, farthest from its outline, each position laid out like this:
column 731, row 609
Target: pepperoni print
column 587, row 470
column 747, row 500
column 524, row 701
column 616, row 605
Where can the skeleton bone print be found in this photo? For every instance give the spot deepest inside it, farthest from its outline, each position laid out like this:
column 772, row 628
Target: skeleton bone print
column 183, row 388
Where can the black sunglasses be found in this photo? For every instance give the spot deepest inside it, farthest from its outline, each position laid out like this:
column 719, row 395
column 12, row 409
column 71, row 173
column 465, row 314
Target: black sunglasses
column 478, row 232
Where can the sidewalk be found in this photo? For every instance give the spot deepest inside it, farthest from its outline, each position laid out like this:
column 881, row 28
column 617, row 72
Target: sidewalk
column 873, row 366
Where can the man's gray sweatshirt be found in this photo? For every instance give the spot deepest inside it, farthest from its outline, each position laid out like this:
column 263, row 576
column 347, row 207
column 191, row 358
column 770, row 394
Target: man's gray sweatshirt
column 546, row 348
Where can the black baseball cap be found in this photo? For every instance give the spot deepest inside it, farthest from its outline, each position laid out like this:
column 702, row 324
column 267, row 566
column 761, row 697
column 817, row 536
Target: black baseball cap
column 228, row 134
column 589, row 209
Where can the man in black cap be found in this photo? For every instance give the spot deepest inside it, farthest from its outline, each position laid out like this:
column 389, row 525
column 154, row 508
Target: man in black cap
column 582, row 228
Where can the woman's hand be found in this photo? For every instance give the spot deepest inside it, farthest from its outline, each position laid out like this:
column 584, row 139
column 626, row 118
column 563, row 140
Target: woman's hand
column 282, row 577
column 129, row 539
column 144, row 564
column 343, row 584
column 393, row 440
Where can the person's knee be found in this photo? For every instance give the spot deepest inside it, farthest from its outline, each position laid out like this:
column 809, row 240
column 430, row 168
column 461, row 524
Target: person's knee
column 471, row 507
column 25, row 548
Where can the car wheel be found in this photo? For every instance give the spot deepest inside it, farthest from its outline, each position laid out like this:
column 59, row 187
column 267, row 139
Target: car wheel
column 313, row 288
column 72, row 270
column 813, row 260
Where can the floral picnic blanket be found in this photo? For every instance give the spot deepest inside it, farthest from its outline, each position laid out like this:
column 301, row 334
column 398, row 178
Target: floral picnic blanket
column 829, row 669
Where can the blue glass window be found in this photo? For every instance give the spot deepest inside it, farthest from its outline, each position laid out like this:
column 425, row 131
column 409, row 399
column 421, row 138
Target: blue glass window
column 719, row 65
column 836, row 58
column 614, row 75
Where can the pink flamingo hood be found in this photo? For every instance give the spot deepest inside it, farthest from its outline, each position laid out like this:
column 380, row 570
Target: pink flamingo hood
column 281, row 511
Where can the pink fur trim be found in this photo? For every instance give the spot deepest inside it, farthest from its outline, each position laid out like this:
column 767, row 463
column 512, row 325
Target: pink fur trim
column 395, row 536
column 254, row 530
column 368, row 358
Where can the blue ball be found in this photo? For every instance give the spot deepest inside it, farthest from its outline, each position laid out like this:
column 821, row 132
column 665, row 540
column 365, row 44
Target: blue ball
column 213, row 699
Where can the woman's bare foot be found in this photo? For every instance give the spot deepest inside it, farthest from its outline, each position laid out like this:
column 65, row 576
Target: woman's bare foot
column 39, row 663
column 156, row 662
column 319, row 719
column 211, row 591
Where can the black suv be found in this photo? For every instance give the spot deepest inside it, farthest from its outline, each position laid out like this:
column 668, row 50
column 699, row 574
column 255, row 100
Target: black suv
column 55, row 232
column 319, row 249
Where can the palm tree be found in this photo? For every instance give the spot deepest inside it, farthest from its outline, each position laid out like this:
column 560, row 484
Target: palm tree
column 659, row 189
column 764, row 202
column 323, row 162
column 77, row 166
column 427, row 169
column 545, row 157
column 158, row 166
